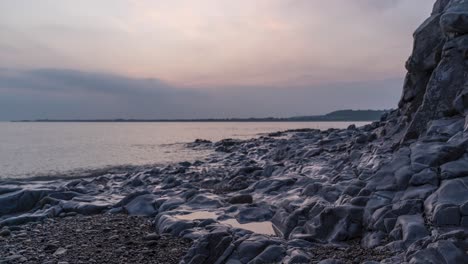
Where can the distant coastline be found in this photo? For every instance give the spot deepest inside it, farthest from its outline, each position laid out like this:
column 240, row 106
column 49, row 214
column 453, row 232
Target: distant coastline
column 336, row 116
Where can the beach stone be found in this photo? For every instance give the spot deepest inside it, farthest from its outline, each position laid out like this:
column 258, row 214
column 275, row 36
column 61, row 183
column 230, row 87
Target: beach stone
column 446, row 215
column 204, row 201
column 171, row 204
column 272, row 254
column 426, row 176
column 455, row 169
column 297, row 257
column 449, row 252
column 443, row 206
column 166, row 224
column 331, row 261
column 412, row 227
column 252, row 247
column 210, row 248
column 418, row 192
column 254, row 214
column 151, row 237
column 60, row 251
column 241, row 199
column 20, row 201
column 5, row 232
column 427, row 256
column 142, row 205
column 336, row 223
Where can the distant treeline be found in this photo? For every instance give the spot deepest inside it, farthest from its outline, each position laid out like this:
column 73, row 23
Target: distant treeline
column 341, row 115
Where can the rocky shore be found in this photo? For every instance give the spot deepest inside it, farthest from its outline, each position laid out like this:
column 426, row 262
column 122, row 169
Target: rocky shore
column 394, row 191
column 107, row 238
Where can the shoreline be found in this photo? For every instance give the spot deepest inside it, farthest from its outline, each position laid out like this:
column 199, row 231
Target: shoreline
column 276, row 179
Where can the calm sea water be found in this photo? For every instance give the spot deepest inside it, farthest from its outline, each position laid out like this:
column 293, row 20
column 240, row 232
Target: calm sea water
column 41, row 149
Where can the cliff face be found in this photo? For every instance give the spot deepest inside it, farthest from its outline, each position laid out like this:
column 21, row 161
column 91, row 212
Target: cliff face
column 436, row 83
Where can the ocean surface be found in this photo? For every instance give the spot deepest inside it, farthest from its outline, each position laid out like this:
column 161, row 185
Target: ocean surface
column 52, row 149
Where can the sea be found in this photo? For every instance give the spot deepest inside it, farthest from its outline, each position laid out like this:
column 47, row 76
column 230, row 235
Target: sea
column 40, row 149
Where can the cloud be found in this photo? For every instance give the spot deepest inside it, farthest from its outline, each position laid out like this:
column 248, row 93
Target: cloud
column 72, row 94
column 215, row 42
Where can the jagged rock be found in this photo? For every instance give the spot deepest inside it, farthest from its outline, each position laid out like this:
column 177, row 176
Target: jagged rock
column 424, row 155
column 20, row 201
column 443, row 205
column 412, row 228
column 455, row 169
column 426, row 176
column 142, row 205
column 455, row 18
column 336, row 224
column 272, row 254
column 241, row 199
column 254, row 214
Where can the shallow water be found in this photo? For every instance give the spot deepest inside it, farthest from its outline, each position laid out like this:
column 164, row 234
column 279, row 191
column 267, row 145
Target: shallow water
column 264, row 228
column 32, row 149
column 197, row 216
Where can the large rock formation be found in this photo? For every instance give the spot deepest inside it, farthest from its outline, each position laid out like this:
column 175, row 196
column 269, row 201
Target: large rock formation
column 436, row 83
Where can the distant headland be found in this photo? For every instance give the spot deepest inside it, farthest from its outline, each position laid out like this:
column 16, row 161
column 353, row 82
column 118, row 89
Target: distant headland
column 336, row 116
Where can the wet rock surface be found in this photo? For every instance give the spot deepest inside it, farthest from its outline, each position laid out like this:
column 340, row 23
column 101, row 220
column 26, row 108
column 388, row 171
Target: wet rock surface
column 90, row 239
column 393, row 191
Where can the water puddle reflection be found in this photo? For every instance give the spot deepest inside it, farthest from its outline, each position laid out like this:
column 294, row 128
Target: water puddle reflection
column 264, row 228
column 197, row 216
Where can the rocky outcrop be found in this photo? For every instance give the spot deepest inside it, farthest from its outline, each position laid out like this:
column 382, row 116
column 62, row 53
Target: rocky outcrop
column 436, row 83
column 394, row 191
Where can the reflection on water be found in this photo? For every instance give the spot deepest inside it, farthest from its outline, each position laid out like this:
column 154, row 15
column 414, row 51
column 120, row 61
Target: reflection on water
column 30, row 149
column 197, row 216
column 264, row 228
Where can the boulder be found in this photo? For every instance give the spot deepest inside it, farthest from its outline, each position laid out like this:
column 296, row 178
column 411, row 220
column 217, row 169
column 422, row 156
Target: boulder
column 443, row 206
column 426, row 176
column 455, row 169
column 412, row 227
column 241, row 199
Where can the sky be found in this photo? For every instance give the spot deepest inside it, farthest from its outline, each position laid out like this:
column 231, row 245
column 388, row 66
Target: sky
column 88, row 59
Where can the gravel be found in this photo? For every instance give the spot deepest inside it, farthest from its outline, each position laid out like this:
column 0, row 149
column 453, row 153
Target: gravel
column 90, row 239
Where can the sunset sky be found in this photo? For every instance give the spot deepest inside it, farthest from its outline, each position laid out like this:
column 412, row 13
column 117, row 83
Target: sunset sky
column 202, row 58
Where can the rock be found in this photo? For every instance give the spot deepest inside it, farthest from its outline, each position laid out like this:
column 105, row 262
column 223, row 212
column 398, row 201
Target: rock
column 60, row 251
column 424, row 155
column 151, row 237
column 5, row 232
column 241, row 199
column 272, row 254
column 339, row 223
column 455, row 18
column 426, row 176
column 204, row 201
column 427, row 256
column 443, row 206
column 254, row 214
column 20, row 201
column 446, row 215
column 166, row 224
column 331, row 261
column 455, row 169
column 253, row 247
column 412, row 227
column 143, row 205
column 211, row 248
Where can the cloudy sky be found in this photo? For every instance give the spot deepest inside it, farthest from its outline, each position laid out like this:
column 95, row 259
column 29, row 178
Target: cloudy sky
column 203, row 58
